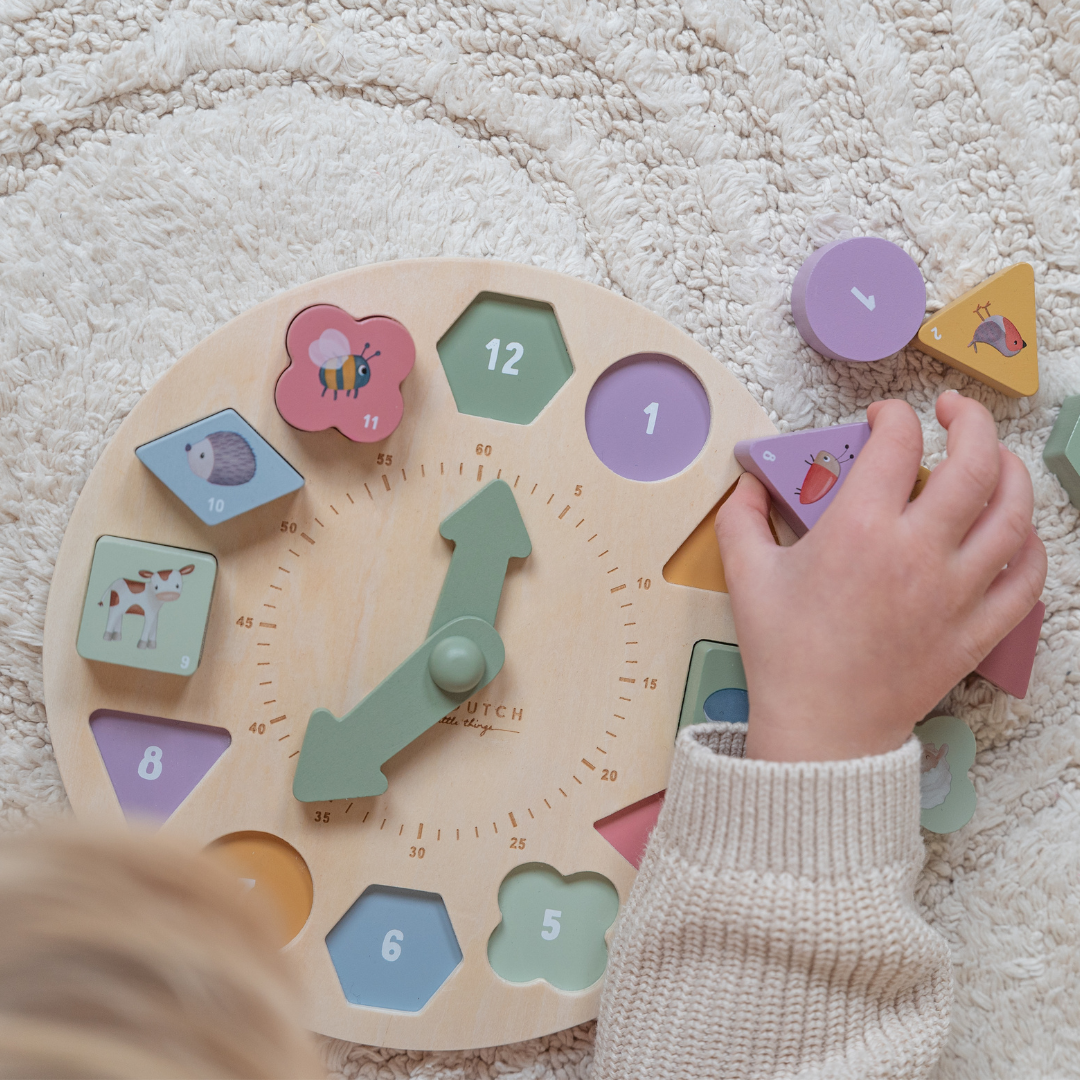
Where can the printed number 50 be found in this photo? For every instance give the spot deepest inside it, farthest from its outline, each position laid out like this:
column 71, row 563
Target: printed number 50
column 391, row 950
column 551, row 924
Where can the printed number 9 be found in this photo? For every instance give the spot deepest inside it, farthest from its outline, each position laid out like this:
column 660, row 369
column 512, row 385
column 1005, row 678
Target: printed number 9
column 185, row 662
column 769, row 455
column 551, row 924
column 391, row 950
column 150, row 766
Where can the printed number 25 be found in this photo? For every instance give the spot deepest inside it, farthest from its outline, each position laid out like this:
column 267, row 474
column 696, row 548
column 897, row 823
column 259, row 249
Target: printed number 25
column 510, row 367
column 551, row 924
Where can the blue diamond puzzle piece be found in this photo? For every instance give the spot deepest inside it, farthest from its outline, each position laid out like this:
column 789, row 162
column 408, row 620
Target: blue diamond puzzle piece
column 219, row 467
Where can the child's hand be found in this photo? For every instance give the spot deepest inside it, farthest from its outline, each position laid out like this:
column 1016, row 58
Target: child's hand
column 853, row 634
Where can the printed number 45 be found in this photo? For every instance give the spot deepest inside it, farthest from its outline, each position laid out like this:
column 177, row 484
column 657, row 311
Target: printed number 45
column 551, row 924
column 510, row 367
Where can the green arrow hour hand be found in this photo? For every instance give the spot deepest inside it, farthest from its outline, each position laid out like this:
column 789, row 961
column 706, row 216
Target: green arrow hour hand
column 343, row 758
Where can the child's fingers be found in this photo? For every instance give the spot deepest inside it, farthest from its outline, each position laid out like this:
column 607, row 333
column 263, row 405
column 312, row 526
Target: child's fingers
column 1004, row 525
column 885, row 470
column 1013, row 592
column 742, row 528
column 959, row 489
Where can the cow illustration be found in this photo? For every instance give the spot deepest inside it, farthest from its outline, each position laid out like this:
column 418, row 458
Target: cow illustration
column 144, row 598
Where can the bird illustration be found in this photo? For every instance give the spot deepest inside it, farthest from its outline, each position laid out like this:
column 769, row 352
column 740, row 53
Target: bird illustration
column 997, row 332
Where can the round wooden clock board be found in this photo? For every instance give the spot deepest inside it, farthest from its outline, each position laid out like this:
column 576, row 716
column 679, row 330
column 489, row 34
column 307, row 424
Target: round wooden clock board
column 396, row 676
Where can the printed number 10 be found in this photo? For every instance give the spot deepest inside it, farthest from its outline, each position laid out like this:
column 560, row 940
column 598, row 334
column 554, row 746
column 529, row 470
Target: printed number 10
column 509, row 368
column 651, row 410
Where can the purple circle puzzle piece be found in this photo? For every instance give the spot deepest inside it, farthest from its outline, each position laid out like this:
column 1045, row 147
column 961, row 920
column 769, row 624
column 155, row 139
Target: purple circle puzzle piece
column 647, row 417
column 858, row 299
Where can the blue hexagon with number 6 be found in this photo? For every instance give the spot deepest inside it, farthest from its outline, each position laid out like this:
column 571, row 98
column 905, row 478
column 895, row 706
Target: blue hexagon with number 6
column 393, row 948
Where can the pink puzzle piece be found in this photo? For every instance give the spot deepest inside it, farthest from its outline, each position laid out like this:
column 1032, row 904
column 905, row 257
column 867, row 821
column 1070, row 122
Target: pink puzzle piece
column 344, row 373
column 628, row 829
column 1008, row 665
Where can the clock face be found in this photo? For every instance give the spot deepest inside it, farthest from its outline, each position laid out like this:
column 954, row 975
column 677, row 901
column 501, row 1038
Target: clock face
column 464, row 896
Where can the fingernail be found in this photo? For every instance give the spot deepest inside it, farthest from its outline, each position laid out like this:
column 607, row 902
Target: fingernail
column 952, row 391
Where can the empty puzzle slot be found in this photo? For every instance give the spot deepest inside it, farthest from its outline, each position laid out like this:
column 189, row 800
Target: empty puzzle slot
column 272, row 869
column 552, row 927
column 154, row 763
column 393, row 948
column 505, row 358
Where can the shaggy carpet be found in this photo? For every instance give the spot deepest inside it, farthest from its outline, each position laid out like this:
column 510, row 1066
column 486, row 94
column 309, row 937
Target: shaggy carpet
column 166, row 165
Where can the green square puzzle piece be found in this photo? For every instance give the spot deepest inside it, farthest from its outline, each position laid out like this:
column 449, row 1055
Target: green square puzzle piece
column 1062, row 451
column 146, row 605
column 716, row 672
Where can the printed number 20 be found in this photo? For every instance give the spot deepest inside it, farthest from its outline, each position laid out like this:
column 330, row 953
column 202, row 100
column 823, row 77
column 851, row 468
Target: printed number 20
column 510, row 367
column 551, row 924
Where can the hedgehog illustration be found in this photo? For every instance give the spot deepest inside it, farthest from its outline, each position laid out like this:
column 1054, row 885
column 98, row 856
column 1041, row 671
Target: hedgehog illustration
column 996, row 331
column 222, row 458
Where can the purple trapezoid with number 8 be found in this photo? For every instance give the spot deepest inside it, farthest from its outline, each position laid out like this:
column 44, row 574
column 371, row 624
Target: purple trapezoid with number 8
column 154, row 763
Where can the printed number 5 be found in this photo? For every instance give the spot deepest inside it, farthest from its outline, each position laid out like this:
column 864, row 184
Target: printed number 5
column 651, row 410
column 551, row 924
column 391, row 950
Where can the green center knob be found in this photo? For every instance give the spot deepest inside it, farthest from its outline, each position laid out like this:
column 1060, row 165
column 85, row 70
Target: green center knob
column 456, row 664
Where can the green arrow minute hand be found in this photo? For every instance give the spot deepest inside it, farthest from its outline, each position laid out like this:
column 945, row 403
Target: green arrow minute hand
column 487, row 531
column 343, row 758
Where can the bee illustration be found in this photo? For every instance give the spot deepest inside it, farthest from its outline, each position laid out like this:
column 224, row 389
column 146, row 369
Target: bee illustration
column 339, row 367
column 823, row 473
column 996, row 331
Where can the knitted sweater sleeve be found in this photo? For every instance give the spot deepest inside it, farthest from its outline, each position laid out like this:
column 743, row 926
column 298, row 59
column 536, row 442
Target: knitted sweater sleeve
column 772, row 929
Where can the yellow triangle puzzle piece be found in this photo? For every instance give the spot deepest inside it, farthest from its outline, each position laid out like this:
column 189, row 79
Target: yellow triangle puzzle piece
column 989, row 332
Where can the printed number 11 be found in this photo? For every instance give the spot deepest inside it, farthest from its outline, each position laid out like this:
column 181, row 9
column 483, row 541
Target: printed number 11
column 651, row 409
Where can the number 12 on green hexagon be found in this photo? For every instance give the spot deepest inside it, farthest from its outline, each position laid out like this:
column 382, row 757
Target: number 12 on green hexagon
column 510, row 366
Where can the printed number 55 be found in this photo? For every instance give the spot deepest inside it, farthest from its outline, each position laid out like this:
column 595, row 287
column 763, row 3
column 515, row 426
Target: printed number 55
column 551, row 924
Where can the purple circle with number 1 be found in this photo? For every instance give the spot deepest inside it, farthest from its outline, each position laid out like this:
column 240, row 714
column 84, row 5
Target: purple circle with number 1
column 647, row 417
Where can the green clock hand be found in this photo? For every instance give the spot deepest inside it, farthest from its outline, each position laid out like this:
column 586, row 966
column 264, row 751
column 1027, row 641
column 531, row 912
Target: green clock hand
column 487, row 531
column 343, row 758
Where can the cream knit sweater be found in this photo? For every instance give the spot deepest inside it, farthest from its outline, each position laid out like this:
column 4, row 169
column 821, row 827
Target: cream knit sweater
column 772, row 930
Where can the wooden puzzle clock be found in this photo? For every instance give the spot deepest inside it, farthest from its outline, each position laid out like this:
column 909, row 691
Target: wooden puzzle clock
column 393, row 593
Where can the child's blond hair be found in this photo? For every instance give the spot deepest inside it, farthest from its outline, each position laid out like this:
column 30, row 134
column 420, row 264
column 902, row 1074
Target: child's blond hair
column 129, row 955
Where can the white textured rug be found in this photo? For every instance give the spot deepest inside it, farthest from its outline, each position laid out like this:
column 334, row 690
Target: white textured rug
column 165, row 166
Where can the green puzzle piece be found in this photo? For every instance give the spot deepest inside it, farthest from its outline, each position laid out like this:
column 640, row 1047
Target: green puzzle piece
column 1062, row 450
column 946, row 793
column 343, row 759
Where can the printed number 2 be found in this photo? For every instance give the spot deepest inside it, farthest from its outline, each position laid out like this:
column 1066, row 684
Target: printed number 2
column 510, row 367
column 551, row 924
column 150, row 766
column 651, row 409
column 391, row 950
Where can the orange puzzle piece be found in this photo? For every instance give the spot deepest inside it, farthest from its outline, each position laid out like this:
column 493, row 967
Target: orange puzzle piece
column 989, row 332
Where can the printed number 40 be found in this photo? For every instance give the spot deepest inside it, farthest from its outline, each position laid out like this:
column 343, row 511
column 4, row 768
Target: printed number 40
column 510, row 367
column 551, row 924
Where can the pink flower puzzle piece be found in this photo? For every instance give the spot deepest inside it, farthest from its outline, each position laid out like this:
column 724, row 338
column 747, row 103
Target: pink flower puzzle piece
column 344, row 373
column 1008, row 665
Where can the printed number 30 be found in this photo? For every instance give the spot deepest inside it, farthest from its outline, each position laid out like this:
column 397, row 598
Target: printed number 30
column 551, row 924
column 391, row 950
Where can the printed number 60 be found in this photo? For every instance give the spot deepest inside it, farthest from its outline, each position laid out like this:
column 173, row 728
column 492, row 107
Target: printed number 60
column 551, row 924
column 391, row 950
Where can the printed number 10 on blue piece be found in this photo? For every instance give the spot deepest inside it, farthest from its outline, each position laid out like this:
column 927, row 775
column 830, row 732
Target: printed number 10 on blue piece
column 219, row 467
